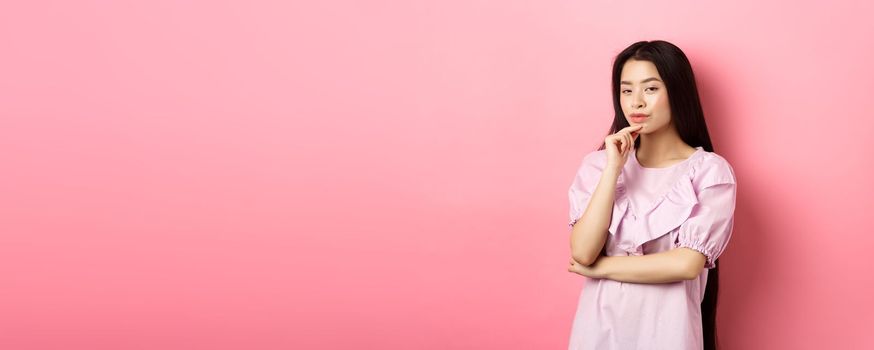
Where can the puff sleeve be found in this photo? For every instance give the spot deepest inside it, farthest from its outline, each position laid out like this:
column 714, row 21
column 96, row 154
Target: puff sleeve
column 709, row 227
column 584, row 184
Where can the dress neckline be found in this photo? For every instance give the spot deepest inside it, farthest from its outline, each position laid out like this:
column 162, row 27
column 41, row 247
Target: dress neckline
column 637, row 164
column 675, row 188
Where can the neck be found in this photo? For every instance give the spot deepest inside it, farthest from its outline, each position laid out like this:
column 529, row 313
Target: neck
column 662, row 145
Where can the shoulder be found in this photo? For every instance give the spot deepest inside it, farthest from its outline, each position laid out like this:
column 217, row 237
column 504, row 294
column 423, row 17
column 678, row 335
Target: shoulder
column 712, row 169
column 591, row 167
column 597, row 159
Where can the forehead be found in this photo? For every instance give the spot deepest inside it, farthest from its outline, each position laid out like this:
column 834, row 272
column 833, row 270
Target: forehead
column 634, row 71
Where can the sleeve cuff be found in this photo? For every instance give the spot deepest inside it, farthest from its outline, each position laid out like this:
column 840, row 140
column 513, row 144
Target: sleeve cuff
column 709, row 264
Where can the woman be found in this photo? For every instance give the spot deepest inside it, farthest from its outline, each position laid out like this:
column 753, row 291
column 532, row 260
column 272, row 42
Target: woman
column 650, row 212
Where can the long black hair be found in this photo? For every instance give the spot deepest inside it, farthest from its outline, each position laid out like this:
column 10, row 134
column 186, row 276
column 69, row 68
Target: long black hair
column 688, row 117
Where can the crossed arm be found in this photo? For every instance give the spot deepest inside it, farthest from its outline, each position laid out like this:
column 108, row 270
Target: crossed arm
column 674, row 265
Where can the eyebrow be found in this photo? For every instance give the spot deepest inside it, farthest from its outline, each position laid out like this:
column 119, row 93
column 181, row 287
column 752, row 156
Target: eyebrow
column 642, row 81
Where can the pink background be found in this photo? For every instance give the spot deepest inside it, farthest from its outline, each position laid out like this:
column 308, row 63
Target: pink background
column 393, row 175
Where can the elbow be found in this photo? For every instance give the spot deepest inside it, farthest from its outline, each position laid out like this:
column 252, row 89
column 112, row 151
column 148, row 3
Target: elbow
column 689, row 263
column 689, row 274
column 691, row 270
column 582, row 253
column 583, row 259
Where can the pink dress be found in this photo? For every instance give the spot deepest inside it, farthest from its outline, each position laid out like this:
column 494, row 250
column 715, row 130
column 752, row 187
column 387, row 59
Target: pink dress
column 688, row 204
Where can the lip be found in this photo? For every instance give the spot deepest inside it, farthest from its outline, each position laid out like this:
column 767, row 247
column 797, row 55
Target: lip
column 636, row 117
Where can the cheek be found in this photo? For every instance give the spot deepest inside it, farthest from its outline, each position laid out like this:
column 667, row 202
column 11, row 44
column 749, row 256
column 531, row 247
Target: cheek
column 661, row 109
column 661, row 104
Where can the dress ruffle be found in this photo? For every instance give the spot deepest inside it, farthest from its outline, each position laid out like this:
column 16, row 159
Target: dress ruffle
column 663, row 215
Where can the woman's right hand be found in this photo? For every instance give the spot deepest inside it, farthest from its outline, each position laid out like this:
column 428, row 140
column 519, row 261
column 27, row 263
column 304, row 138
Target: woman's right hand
column 619, row 145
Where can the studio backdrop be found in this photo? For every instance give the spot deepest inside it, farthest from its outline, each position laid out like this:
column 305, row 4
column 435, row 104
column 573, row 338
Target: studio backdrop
column 394, row 174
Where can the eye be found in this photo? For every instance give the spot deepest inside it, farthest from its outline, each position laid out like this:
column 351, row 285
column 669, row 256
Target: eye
column 652, row 87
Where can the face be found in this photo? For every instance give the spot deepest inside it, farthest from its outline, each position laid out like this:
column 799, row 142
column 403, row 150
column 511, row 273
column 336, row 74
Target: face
column 642, row 91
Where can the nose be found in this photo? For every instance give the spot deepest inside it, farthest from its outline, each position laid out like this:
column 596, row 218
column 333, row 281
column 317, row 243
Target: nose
column 637, row 101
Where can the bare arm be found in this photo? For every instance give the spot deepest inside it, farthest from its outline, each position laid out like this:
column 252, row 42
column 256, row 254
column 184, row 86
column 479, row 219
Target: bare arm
column 590, row 232
column 674, row 265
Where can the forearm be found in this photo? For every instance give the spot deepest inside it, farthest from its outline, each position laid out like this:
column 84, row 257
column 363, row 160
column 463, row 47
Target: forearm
column 669, row 266
column 590, row 232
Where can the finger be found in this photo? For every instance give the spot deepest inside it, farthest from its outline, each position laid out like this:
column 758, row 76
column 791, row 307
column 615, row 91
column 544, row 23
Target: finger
column 624, row 136
column 627, row 142
column 610, row 141
column 622, row 142
column 631, row 128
